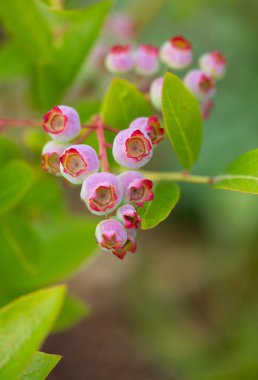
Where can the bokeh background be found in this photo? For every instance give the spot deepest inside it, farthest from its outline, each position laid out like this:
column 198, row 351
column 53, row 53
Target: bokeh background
column 185, row 307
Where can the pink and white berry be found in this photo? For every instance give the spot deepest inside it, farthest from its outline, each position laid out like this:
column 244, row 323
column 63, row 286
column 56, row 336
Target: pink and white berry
column 176, row 53
column 78, row 162
column 151, row 126
column 102, row 193
column 136, row 188
column 128, row 216
column 110, row 235
column 129, row 246
column 206, row 108
column 156, row 93
column 146, row 59
column 50, row 157
column 119, row 59
column 132, row 148
column 62, row 123
column 200, row 84
column 213, row 64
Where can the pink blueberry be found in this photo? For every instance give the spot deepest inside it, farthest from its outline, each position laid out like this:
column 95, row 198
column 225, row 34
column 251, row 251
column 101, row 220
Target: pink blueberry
column 176, row 53
column 128, row 216
column 110, row 235
column 206, row 108
column 62, row 123
column 50, row 157
column 132, row 148
column 151, row 126
column 146, row 59
column 213, row 64
column 136, row 188
column 102, row 193
column 129, row 246
column 78, row 162
column 121, row 26
column 200, row 84
column 119, row 59
column 156, row 93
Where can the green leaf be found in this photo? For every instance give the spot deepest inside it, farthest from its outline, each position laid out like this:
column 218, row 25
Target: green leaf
column 25, row 323
column 28, row 27
column 123, row 103
column 40, row 367
column 11, row 67
column 242, row 174
column 15, row 180
column 73, row 312
column 166, row 196
column 183, row 121
column 8, row 151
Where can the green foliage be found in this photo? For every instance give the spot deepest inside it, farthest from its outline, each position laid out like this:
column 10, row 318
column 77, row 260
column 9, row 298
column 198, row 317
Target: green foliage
column 183, row 121
column 15, row 180
column 40, row 366
column 24, row 325
column 166, row 196
column 242, row 175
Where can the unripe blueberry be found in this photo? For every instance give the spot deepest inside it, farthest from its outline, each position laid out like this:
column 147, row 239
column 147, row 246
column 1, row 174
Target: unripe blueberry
column 136, row 188
column 129, row 246
column 62, row 123
column 50, row 157
column 120, row 26
column 151, row 126
column 102, row 193
column 77, row 162
column 119, row 59
column 176, row 53
column 110, row 235
column 206, row 108
column 156, row 93
column 132, row 148
column 128, row 216
column 146, row 59
column 213, row 64
column 200, row 84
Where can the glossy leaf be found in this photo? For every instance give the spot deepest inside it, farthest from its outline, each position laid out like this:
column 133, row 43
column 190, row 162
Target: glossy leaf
column 28, row 27
column 183, row 121
column 15, row 180
column 73, row 312
column 24, row 325
column 166, row 196
column 242, row 174
column 40, row 366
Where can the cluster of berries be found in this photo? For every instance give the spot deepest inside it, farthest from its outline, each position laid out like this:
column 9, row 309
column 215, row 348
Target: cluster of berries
column 176, row 54
column 103, row 192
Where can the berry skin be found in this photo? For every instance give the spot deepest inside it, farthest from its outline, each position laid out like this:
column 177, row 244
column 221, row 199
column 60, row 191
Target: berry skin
column 206, row 108
column 151, row 126
column 77, row 162
column 132, row 148
column 110, row 235
column 119, row 59
column 176, row 53
column 213, row 64
column 102, row 193
column 200, row 84
column 129, row 246
column 50, row 157
column 128, row 216
column 146, row 59
column 156, row 93
column 62, row 123
column 136, row 188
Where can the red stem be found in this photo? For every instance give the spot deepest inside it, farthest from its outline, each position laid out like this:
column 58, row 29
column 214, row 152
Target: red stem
column 102, row 144
column 19, row 123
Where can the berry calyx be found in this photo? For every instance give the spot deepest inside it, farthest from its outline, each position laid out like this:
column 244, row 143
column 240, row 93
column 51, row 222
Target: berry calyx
column 111, row 235
column 50, row 157
column 128, row 216
column 136, row 188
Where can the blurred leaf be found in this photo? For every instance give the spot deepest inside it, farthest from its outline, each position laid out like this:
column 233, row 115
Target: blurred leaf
column 8, row 151
column 40, row 367
column 10, row 66
column 242, row 175
column 166, row 196
column 73, row 312
column 183, row 120
column 24, row 325
column 86, row 109
column 15, row 179
column 28, row 27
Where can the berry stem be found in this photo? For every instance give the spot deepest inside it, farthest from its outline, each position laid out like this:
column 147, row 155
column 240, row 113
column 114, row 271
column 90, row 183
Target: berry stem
column 19, row 123
column 178, row 176
column 102, row 144
column 105, row 127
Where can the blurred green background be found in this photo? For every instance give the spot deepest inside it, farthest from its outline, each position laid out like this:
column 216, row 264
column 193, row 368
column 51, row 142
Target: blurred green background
column 185, row 307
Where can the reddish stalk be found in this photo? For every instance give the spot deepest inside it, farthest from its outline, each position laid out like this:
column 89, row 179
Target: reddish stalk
column 102, row 144
column 19, row 123
column 105, row 127
column 107, row 145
